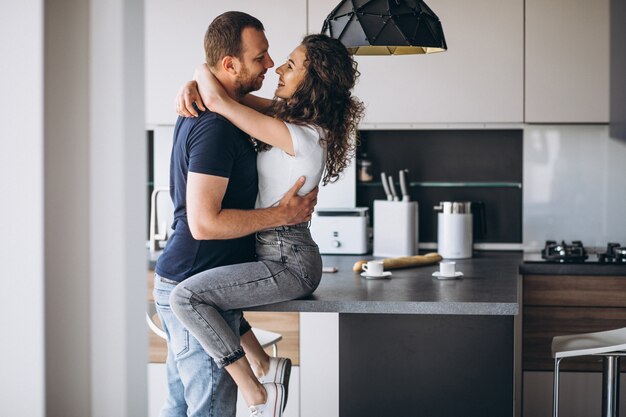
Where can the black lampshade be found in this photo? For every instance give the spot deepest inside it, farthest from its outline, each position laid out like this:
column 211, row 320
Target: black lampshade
column 386, row 27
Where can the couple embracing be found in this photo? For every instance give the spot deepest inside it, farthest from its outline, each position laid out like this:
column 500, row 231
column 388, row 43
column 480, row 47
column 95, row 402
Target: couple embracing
column 242, row 209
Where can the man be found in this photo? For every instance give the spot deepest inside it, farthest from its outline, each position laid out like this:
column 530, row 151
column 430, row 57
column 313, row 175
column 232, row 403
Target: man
column 213, row 184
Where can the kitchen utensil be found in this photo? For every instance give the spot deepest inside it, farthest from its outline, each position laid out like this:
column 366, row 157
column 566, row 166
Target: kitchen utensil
column 395, row 228
column 383, row 178
column 392, row 188
column 404, row 261
column 455, row 229
column 447, row 268
column 374, row 267
column 364, row 169
column 341, row 230
column 403, row 185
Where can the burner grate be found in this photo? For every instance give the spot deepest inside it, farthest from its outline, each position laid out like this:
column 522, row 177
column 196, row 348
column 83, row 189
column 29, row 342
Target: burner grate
column 615, row 253
column 562, row 252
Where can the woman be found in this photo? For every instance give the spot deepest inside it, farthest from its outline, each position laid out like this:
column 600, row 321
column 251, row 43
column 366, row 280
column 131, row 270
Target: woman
column 305, row 131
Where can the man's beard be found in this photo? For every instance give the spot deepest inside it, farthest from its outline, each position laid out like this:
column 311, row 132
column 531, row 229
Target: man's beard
column 246, row 84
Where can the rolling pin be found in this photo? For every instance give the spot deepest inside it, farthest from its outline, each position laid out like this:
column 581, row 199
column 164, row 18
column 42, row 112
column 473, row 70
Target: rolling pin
column 404, row 261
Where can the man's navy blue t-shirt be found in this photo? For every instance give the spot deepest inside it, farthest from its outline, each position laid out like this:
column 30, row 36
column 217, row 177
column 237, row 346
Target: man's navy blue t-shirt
column 208, row 144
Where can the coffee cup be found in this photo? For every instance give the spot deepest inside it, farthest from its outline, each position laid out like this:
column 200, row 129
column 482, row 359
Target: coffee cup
column 447, row 268
column 373, row 268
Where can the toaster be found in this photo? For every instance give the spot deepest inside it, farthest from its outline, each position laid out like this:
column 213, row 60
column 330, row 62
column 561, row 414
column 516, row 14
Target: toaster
column 341, row 230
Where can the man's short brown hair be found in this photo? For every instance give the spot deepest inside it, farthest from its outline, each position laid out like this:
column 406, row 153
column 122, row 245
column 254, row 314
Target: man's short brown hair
column 223, row 37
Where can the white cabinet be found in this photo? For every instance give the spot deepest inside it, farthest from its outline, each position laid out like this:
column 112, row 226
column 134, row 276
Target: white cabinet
column 567, row 61
column 174, row 43
column 319, row 364
column 341, row 193
column 478, row 80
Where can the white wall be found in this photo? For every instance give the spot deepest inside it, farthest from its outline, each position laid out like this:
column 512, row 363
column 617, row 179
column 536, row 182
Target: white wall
column 119, row 349
column 21, row 211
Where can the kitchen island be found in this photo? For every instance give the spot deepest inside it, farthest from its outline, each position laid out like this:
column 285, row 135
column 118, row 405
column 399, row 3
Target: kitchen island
column 415, row 345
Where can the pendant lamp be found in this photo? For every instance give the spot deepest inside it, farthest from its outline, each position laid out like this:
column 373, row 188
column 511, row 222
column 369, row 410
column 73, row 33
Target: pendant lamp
column 386, row 27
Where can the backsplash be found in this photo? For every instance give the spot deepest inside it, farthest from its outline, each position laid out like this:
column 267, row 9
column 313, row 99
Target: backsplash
column 543, row 182
column 452, row 165
column 574, row 185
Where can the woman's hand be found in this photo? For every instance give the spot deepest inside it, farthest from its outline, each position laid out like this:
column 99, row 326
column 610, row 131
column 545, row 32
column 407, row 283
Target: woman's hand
column 186, row 98
column 211, row 91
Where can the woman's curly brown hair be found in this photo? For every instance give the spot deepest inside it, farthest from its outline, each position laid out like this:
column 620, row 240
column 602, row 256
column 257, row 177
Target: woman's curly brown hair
column 323, row 99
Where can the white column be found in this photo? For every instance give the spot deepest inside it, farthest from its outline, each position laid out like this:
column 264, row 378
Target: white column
column 118, row 210
column 21, row 209
column 73, row 184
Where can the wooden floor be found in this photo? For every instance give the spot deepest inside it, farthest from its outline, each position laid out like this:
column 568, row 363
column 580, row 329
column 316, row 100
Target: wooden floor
column 287, row 324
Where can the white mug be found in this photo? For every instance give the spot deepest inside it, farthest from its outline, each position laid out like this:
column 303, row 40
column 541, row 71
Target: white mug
column 373, row 268
column 447, row 268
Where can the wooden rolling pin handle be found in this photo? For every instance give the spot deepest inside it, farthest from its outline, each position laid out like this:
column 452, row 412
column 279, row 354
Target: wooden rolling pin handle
column 403, row 262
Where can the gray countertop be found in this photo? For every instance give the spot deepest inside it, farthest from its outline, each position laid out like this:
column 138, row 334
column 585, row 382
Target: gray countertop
column 489, row 286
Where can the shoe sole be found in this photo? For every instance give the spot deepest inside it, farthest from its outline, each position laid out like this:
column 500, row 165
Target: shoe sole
column 283, row 373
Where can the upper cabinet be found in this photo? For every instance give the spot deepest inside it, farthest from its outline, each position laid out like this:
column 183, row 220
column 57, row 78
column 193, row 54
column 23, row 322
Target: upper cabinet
column 478, row 80
column 509, row 61
column 567, row 61
column 174, row 43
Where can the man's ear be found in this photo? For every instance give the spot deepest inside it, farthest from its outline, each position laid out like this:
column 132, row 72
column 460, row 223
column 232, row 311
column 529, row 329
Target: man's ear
column 231, row 64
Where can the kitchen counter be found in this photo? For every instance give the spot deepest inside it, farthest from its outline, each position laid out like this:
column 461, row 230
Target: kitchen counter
column 488, row 287
column 426, row 340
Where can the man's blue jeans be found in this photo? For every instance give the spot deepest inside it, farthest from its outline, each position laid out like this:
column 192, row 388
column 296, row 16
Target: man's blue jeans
column 196, row 386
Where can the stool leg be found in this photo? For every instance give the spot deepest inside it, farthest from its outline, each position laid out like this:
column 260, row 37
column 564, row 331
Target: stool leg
column 555, row 388
column 610, row 386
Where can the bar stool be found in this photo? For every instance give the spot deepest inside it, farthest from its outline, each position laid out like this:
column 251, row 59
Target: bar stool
column 265, row 337
column 611, row 345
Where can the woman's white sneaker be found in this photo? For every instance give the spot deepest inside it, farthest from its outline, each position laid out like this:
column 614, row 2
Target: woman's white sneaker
column 279, row 372
column 274, row 404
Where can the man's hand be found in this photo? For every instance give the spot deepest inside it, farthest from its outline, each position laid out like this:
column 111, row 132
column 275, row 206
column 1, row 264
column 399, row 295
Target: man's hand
column 186, row 98
column 298, row 209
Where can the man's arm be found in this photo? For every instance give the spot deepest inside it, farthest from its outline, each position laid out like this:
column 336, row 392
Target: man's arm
column 207, row 219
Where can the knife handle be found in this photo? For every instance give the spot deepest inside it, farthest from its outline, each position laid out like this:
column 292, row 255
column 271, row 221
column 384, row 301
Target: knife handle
column 392, row 187
column 403, row 186
column 383, row 178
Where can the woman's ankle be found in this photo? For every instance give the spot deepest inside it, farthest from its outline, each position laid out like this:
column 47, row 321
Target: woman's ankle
column 256, row 396
column 260, row 366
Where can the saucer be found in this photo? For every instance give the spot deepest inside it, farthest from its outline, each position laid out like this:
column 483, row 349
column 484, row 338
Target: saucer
column 384, row 275
column 438, row 275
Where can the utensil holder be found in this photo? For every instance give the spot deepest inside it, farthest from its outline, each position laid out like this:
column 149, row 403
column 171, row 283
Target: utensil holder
column 395, row 228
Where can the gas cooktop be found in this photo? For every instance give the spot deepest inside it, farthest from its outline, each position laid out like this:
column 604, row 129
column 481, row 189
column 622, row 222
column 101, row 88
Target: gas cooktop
column 577, row 253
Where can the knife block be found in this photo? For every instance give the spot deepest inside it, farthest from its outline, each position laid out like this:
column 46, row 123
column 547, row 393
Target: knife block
column 395, row 228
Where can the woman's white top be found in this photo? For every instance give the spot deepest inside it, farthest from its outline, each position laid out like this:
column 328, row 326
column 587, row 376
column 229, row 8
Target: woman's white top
column 278, row 171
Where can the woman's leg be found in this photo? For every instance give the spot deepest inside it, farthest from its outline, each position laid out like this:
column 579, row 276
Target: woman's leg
column 251, row 389
column 258, row 359
column 199, row 300
column 290, row 268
